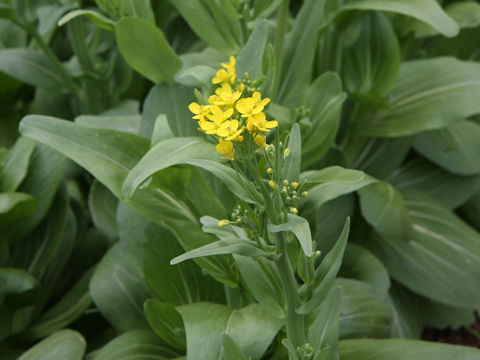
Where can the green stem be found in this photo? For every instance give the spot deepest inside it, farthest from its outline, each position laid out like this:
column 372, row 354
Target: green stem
column 56, row 63
column 92, row 93
column 295, row 323
column 278, row 45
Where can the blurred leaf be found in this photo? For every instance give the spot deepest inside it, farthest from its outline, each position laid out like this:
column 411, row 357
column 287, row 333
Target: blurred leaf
column 429, row 94
column 64, row 344
column 126, row 123
column 30, row 67
column 299, row 226
column 16, row 281
column 292, row 164
column 407, row 311
column 450, row 189
column 231, row 350
column 454, row 147
column 146, row 50
column 103, row 207
column 371, row 64
column 15, row 166
column 440, row 256
column 15, row 207
column 118, row 290
column 250, row 327
column 138, row 345
column 245, row 62
column 96, row 18
column 161, row 130
column 394, row 349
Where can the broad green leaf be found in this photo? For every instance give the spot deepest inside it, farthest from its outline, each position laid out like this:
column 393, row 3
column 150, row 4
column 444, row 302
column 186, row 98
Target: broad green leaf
column 292, row 164
column 233, row 180
column 118, row 290
column 64, row 344
column 394, row 349
column 440, row 256
column 224, row 247
column 326, row 272
column 450, row 189
column 67, row 310
column 166, row 322
column 324, row 99
column 161, row 130
column 407, row 311
column 146, row 50
column 231, row 350
column 383, row 207
column 360, row 264
column 324, row 330
column 14, row 207
column 103, row 207
column 6, row 12
column 428, row 11
column 45, row 172
column 455, row 147
column 250, row 327
column 16, row 281
column 299, row 52
column 429, row 94
column 471, row 209
column 165, row 154
column 204, row 24
column 96, row 18
column 245, row 62
column 15, row 166
column 173, row 101
column 298, row 226
column 30, row 67
column 363, row 312
column 442, row 316
column 371, row 65
column 332, row 182
column 126, row 123
column 139, row 8
column 264, row 283
column 138, row 345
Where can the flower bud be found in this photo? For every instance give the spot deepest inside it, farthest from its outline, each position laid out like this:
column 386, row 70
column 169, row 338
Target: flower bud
column 287, row 152
column 223, row 223
column 295, row 185
column 272, row 184
column 304, row 194
column 269, row 170
column 293, row 210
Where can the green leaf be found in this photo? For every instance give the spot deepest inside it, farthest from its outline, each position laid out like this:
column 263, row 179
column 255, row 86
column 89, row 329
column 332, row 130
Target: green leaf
column 360, row 264
column 394, row 349
column 420, row 174
column 126, row 123
column 264, row 283
column 64, row 344
column 466, row 13
column 429, row 94
column 224, row 246
column 161, row 130
column 118, row 290
column 165, row 154
column 16, row 281
column 139, row 8
column 103, row 207
column 383, row 207
column 371, row 64
column 166, row 322
column 440, row 256
column 300, row 227
column 15, row 166
column 292, row 164
column 138, row 345
column 14, row 207
column 250, row 327
column 173, row 101
column 407, row 313
column 428, row 11
column 146, row 50
column 326, row 272
column 30, row 67
column 96, row 18
column 324, row 330
column 363, row 312
column 231, row 350
column 236, row 183
column 245, row 62
column 455, row 147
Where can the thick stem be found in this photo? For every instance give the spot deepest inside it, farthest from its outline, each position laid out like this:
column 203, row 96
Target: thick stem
column 295, row 323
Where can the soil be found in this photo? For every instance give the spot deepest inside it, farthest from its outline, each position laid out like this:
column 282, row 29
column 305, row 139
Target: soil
column 464, row 336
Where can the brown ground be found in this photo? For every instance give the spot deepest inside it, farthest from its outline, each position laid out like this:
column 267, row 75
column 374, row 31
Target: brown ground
column 463, row 336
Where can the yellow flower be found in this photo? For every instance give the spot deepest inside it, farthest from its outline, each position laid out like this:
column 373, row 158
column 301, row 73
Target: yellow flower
column 261, row 142
column 252, row 105
column 225, row 147
column 200, row 111
column 228, row 75
column 229, row 130
column 258, row 122
column 217, row 117
column 225, row 96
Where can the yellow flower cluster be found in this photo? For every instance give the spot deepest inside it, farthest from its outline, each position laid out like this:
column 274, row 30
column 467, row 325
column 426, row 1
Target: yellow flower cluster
column 232, row 110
